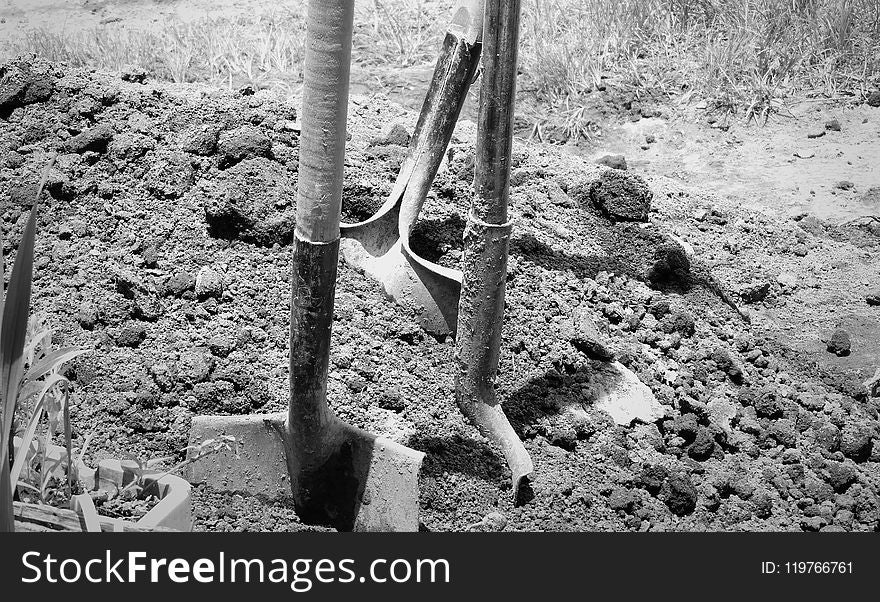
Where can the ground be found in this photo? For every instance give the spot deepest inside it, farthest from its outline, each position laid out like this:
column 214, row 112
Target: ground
column 765, row 428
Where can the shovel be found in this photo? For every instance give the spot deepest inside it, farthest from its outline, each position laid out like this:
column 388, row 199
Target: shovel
column 338, row 474
column 486, row 245
column 380, row 245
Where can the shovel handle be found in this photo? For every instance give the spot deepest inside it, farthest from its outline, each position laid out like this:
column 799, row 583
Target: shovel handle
column 453, row 74
column 324, row 111
column 495, row 123
column 318, row 204
column 467, row 21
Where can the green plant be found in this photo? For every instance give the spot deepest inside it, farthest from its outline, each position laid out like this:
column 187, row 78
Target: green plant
column 147, row 467
column 44, row 390
column 14, row 308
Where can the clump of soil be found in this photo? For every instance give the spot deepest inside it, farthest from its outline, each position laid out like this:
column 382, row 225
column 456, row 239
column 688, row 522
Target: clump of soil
column 163, row 247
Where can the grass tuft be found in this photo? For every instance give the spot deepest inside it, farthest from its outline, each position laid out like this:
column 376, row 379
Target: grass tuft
column 743, row 57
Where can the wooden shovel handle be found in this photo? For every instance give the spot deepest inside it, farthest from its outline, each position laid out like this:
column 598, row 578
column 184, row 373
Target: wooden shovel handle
column 324, row 112
column 495, row 123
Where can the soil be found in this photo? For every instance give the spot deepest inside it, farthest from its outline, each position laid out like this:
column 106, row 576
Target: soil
column 163, row 247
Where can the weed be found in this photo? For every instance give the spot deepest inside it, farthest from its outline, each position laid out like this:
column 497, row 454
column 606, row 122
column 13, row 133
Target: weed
column 147, row 467
column 14, row 309
column 44, row 390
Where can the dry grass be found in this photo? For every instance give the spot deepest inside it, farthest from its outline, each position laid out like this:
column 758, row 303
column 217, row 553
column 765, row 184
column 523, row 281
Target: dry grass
column 744, row 57
column 262, row 51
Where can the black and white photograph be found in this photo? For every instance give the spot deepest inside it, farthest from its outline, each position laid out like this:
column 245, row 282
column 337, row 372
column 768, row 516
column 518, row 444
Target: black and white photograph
column 485, row 266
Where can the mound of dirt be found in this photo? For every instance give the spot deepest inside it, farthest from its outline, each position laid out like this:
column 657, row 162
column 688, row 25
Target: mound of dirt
column 159, row 187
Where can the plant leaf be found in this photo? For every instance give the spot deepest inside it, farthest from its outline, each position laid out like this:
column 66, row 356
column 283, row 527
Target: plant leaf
column 35, row 339
column 14, row 327
column 28, row 390
column 52, row 409
column 51, row 361
column 68, row 436
column 26, row 441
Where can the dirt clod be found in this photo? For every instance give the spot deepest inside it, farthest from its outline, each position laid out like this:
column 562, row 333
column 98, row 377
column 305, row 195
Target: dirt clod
column 94, row 139
column 679, row 493
column 619, row 195
column 840, row 343
column 245, row 142
column 613, row 161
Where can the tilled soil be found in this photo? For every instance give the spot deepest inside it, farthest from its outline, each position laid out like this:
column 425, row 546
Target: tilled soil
column 163, row 247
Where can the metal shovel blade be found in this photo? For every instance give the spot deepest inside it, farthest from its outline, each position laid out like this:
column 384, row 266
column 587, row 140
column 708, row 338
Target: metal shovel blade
column 430, row 290
column 380, row 245
column 369, row 484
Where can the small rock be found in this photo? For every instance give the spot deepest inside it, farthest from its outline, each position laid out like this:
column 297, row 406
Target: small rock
column 179, row 283
column 813, row 225
column 784, row 431
column 163, row 376
column 763, row 504
column 679, row 494
column 493, row 522
column 562, row 435
column 840, row 475
column 250, row 201
column 856, row 440
column 767, row 404
column 613, row 161
column 586, row 337
column 20, row 85
column 827, row 437
column 873, row 99
column 355, row 382
column 391, row 399
column 127, row 284
column 686, row 426
column 617, row 194
column 194, row 366
column 209, row 283
column 95, row 139
column 650, row 139
column 816, row 134
column 681, row 322
column 200, row 139
column 727, row 363
column 844, row 185
column 87, row 316
column 754, row 292
column 150, row 255
column 396, row 135
column 721, row 412
column 623, row 500
column 245, row 142
column 839, row 344
column 703, row 445
column 671, row 264
column 131, row 335
column 832, row 125
column 813, row 523
column 816, row 489
column 652, row 477
column 873, row 298
column 221, row 345
column 146, row 306
column 134, row 74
